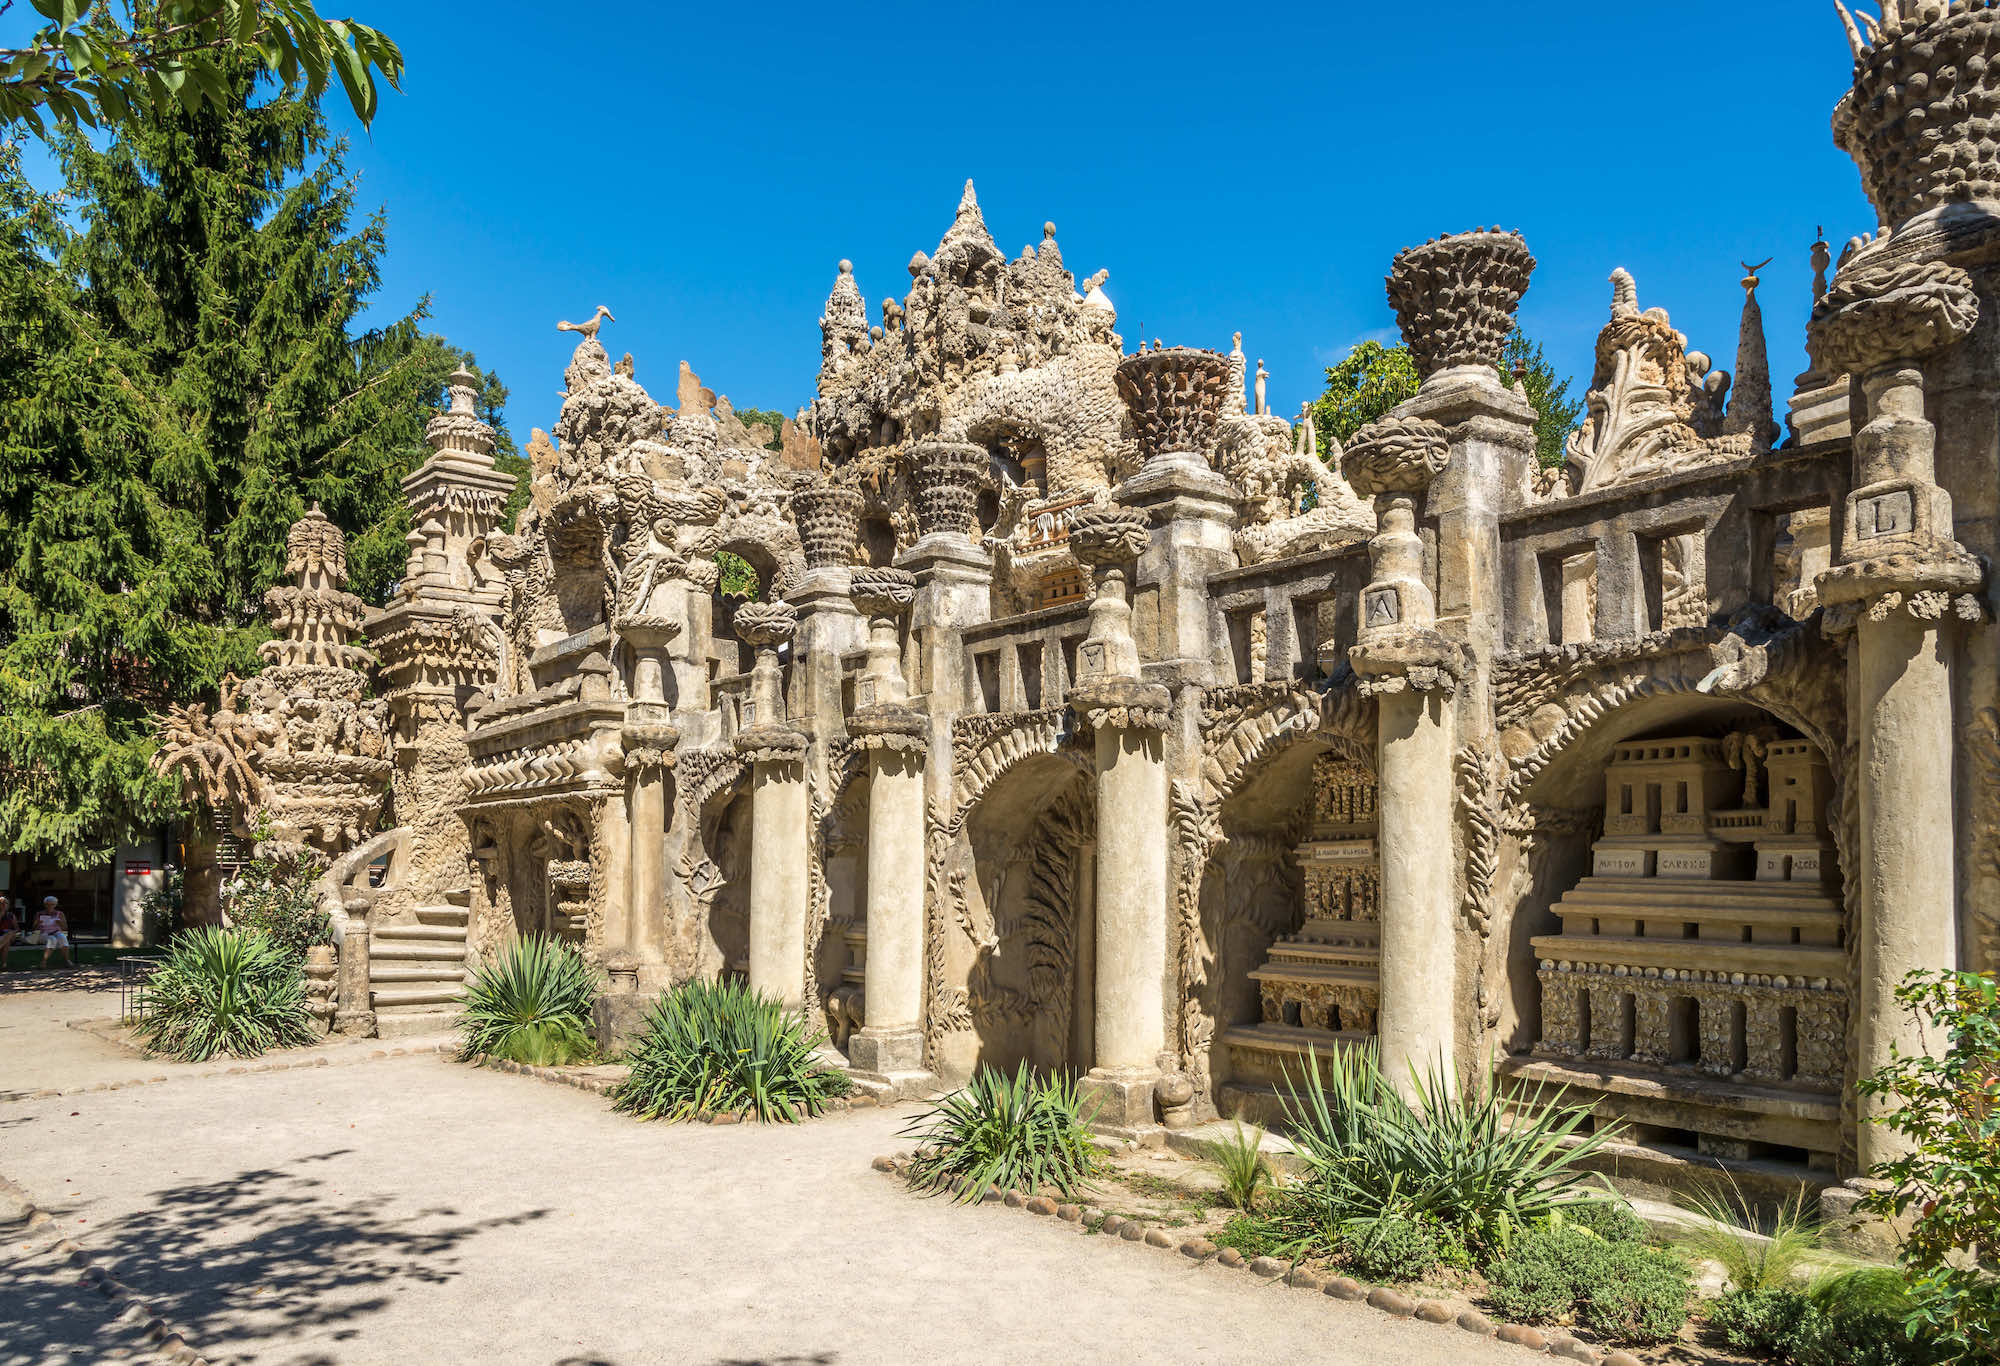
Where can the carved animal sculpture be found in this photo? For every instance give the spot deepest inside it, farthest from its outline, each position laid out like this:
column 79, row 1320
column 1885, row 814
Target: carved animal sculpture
column 589, row 329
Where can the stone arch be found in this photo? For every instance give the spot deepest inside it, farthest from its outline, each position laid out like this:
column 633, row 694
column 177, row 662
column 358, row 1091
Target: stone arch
column 985, row 749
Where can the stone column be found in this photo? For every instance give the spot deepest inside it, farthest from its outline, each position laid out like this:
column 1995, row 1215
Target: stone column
column 780, row 813
column 1901, row 582
column 649, row 755
column 828, row 518
column 887, row 1052
column 1129, row 718
column 354, row 1010
column 1412, row 671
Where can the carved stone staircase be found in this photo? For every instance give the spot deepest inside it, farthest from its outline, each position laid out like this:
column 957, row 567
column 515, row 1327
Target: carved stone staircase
column 417, row 972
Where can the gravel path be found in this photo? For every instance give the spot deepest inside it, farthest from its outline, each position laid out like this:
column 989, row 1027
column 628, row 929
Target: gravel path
column 413, row 1210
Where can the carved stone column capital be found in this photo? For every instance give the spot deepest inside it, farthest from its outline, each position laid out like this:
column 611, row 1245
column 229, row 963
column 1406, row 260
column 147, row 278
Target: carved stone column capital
column 1105, row 534
column 829, row 522
column 883, row 592
column 1880, row 317
column 1175, row 395
column 947, row 476
column 1122, row 704
column 649, row 745
column 766, row 625
column 1109, row 538
column 1412, row 659
column 1455, row 297
column 1396, row 455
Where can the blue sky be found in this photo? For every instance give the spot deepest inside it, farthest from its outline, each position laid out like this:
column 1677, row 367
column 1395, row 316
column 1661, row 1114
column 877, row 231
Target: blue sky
column 702, row 169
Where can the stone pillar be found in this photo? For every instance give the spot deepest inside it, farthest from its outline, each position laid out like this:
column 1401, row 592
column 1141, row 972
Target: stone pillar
column 887, row 1052
column 1900, row 584
column 828, row 518
column 1129, row 718
column 650, row 737
column 354, row 1010
column 954, row 575
column 1412, row 670
column 780, row 814
column 1176, row 396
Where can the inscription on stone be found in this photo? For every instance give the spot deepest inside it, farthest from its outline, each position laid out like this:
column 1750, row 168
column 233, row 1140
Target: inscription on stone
column 1383, row 608
column 1621, row 863
column 1886, row 514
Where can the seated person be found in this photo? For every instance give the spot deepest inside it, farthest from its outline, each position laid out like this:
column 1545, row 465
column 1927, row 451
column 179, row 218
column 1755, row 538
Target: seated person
column 10, row 927
column 53, row 926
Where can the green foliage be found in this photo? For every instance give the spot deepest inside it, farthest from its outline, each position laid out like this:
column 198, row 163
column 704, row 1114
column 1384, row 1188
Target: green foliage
column 1028, row 1131
column 1256, row 1235
column 225, row 991
column 1392, row 1248
column 719, row 1047
column 1627, row 1291
column 1374, row 378
column 1755, row 1253
column 160, row 909
column 764, row 417
column 1245, row 1170
column 272, row 895
column 531, row 1002
column 1947, row 1106
column 1362, row 389
column 184, row 373
column 87, row 66
column 1479, row 1168
column 1610, row 1219
column 1856, row 1319
column 739, row 578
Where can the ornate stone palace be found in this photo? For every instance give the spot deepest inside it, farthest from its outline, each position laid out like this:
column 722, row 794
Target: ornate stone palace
column 1089, row 714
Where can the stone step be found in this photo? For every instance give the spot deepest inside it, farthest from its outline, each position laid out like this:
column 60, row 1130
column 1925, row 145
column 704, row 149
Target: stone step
column 454, row 916
column 459, row 896
column 1658, row 892
column 430, row 932
column 416, row 951
column 436, row 972
column 406, row 1022
column 443, row 993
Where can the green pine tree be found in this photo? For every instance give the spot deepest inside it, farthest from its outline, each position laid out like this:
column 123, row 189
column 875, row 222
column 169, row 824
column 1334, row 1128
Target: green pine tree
column 184, row 372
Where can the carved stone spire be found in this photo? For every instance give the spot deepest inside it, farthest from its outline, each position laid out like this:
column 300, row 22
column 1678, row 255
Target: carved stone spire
column 844, row 325
column 1749, row 412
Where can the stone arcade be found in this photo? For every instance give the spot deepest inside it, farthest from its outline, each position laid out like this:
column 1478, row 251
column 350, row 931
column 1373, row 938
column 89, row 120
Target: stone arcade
column 1090, row 715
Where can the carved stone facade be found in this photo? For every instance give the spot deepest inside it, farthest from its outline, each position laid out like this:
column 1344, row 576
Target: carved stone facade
column 1087, row 714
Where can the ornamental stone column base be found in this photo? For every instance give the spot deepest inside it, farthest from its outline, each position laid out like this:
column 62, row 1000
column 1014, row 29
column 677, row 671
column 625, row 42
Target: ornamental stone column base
column 354, row 1013
column 889, row 1063
column 619, row 1014
column 1121, row 1103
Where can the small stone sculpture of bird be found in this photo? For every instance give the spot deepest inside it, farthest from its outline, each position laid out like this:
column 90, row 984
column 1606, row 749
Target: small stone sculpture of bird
column 589, row 329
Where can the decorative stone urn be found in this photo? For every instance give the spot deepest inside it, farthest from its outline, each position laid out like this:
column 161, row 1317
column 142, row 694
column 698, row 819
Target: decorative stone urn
column 947, row 476
column 766, row 626
column 1109, row 538
column 1455, row 297
column 829, row 521
column 1176, row 395
column 1916, row 74
column 883, row 595
column 1394, row 461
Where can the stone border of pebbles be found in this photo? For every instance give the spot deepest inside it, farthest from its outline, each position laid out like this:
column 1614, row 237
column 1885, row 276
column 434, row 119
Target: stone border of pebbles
column 602, row 1086
column 1389, row 1301
column 133, row 1311
column 278, row 1064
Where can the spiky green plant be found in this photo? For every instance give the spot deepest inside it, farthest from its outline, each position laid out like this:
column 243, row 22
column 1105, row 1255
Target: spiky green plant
column 1479, row 1166
column 719, row 1047
column 531, row 1003
column 1754, row 1251
column 1246, row 1171
column 1029, row 1132
column 225, row 991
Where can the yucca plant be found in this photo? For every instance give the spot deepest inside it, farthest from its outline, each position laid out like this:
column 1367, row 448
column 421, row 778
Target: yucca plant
column 1755, row 1253
column 1246, row 1171
column 531, row 1003
column 225, row 991
column 1478, row 1166
column 1028, row 1131
column 719, row 1047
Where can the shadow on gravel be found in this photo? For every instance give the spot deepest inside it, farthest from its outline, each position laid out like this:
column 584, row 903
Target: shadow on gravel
column 279, row 1257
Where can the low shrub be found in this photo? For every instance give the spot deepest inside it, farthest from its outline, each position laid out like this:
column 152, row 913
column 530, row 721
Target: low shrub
column 1246, row 1171
column 1253, row 1235
column 720, row 1047
column 1842, row 1321
column 225, row 991
column 1028, row 1132
column 1790, row 1235
column 1474, row 1165
column 1611, row 1220
column 1631, row 1293
column 531, row 1003
column 1391, row 1248
column 273, row 895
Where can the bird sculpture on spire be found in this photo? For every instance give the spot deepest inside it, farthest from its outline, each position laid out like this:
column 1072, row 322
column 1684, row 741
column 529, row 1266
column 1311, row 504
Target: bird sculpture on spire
column 588, row 330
